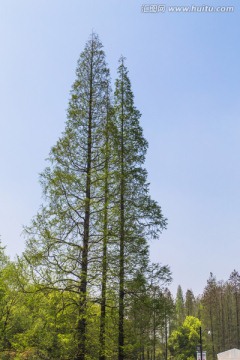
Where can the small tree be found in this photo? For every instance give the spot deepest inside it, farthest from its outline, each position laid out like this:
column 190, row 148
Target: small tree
column 183, row 341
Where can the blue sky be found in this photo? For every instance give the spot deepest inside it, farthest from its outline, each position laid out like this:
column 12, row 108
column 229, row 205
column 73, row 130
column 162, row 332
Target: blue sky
column 185, row 74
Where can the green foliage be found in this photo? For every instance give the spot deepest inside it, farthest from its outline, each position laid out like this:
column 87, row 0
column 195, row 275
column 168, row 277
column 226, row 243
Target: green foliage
column 77, row 291
column 190, row 304
column 183, row 341
column 179, row 303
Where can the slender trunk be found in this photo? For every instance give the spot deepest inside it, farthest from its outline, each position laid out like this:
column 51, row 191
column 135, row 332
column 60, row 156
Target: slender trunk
column 166, row 335
column 102, row 341
column 219, row 330
column 237, row 318
column 102, row 334
column 148, row 355
column 229, row 321
column 222, row 321
column 82, row 321
column 201, row 348
column 6, row 343
column 122, row 244
column 154, row 328
column 121, row 286
column 212, row 335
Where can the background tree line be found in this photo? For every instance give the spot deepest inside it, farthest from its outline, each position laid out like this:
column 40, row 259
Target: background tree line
column 216, row 311
column 41, row 322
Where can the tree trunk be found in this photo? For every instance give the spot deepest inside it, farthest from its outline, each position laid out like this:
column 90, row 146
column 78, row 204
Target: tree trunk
column 82, row 321
column 122, row 243
column 102, row 335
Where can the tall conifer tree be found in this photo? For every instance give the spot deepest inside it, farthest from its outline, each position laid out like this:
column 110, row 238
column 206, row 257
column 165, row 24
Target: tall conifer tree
column 64, row 234
column 106, row 220
column 139, row 216
column 234, row 280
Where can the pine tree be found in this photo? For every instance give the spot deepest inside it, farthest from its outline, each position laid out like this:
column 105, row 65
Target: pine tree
column 189, row 303
column 234, row 280
column 139, row 216
column 168, row 316
column 210, row 309
column 179, row 304
column 107, row 224
column 64, row 236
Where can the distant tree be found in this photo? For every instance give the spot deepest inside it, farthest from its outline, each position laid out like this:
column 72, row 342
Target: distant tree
column 168, row 310
column 190, row 304
column 210, row 302
column 231, row 331
column 234, row 281
column 6, row 300
column 179, row 305
column 147, row 311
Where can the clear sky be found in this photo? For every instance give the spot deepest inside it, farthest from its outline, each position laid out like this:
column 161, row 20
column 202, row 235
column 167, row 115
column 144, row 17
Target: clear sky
column 185, row 74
